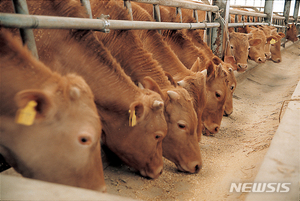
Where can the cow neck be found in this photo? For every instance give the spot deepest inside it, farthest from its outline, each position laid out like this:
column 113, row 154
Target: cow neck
column 107, row 77
column 127, row 48
column 80, row 52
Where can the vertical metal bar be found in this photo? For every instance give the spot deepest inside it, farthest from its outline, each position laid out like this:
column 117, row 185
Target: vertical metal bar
column 127, row 4
column 20, row 6
column 178, row 12
column 208, row 31
column 195, row 15
column 156, row 14
column 296, row 10
column 217, row 38
column 268, row 9
column 286, row 14
column 236, row 20
column 87, row 5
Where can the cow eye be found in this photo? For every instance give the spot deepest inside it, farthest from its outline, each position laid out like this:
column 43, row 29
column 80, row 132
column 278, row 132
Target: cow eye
column 248, row 48
column 231, row 46
column 181, row 125
column 231, row 88
column 218, row 95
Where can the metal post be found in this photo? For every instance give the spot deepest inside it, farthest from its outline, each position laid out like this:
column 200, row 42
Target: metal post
column 217, row 38
column 20, row 6
column 208, row 31
column 286, row 13
column 296, row 11
column 268, row 9
column 195, row 15
column 87, row 5
column 178, row 12
column 127, row 4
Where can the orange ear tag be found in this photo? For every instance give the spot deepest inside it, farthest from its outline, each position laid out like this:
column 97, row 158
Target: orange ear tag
column 26, row 115
column 272, row 41
column 132, row 118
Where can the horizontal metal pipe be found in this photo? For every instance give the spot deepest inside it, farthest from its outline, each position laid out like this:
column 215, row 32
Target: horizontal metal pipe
column 246, row 13
column 238, row 6
column 181, row 4
column 240, row 24
column 278, row 17
column 49, row 22
column 278, row 26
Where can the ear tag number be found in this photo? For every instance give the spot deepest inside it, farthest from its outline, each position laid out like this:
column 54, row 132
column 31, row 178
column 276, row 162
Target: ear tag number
column 132, row 118
column 26, row 115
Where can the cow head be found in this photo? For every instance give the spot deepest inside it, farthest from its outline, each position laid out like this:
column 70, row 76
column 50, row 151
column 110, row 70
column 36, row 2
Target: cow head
column 275, row 47
column 231, row 84
column 60, row 140
column 63, row 143
column 139, row 150
column 240, row 44
column 181, row 145
column 216, row 96
column 257, row 53
column 291, row 32
column 195, row 84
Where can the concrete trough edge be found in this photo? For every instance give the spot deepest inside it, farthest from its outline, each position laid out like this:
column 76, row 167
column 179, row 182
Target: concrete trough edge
column 282, row 161
column 19, row 188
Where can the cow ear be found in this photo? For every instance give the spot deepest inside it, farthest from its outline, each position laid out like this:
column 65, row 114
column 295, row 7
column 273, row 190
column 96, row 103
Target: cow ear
column 149, row 83
column 33, row 105
column 281, row 34
column 136, row 112
column 254, row 42
column 170, row 78
column 210, row 69
column 270, row 38
column 216, row 60
column 220, row 72
column 196, row 65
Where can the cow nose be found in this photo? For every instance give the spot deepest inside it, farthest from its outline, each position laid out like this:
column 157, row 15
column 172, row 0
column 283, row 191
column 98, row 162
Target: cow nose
column 198, row 168
column 268, row 55
column 217, row 129
column 278, row 60
column 259, row 59
column 242, row 66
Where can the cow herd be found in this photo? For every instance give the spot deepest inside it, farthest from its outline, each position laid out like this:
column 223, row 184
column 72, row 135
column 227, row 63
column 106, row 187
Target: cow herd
column 142, row 94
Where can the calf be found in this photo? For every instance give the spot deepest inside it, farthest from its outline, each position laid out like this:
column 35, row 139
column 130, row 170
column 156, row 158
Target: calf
column 129, row 51
column 50, row 129
column 133, row 118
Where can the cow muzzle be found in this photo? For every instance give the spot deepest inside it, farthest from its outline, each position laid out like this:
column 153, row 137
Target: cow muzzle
column 193, row 167
column 152, row 174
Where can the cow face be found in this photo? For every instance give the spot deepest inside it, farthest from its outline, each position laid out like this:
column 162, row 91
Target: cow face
column 231, row 84
column 257, row 53
column 140, row 145
column 275, row 47
column 239, row 49
column 291, row 32
column 195, row 84
column 216, row 97
column 181, row 145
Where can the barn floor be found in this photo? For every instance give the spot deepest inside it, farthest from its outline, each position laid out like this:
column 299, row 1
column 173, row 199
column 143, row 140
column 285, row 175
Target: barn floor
column 232, row 155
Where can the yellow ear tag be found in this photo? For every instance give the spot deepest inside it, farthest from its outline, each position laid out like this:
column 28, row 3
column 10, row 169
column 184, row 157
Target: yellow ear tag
column 132, row 118
column 26, row 115
column 272, row 41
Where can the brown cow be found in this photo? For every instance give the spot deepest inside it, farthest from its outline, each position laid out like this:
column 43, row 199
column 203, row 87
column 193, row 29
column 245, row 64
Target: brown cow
column 291, row 33
column 118, row 100
column 128, row 49
column 50, row 129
